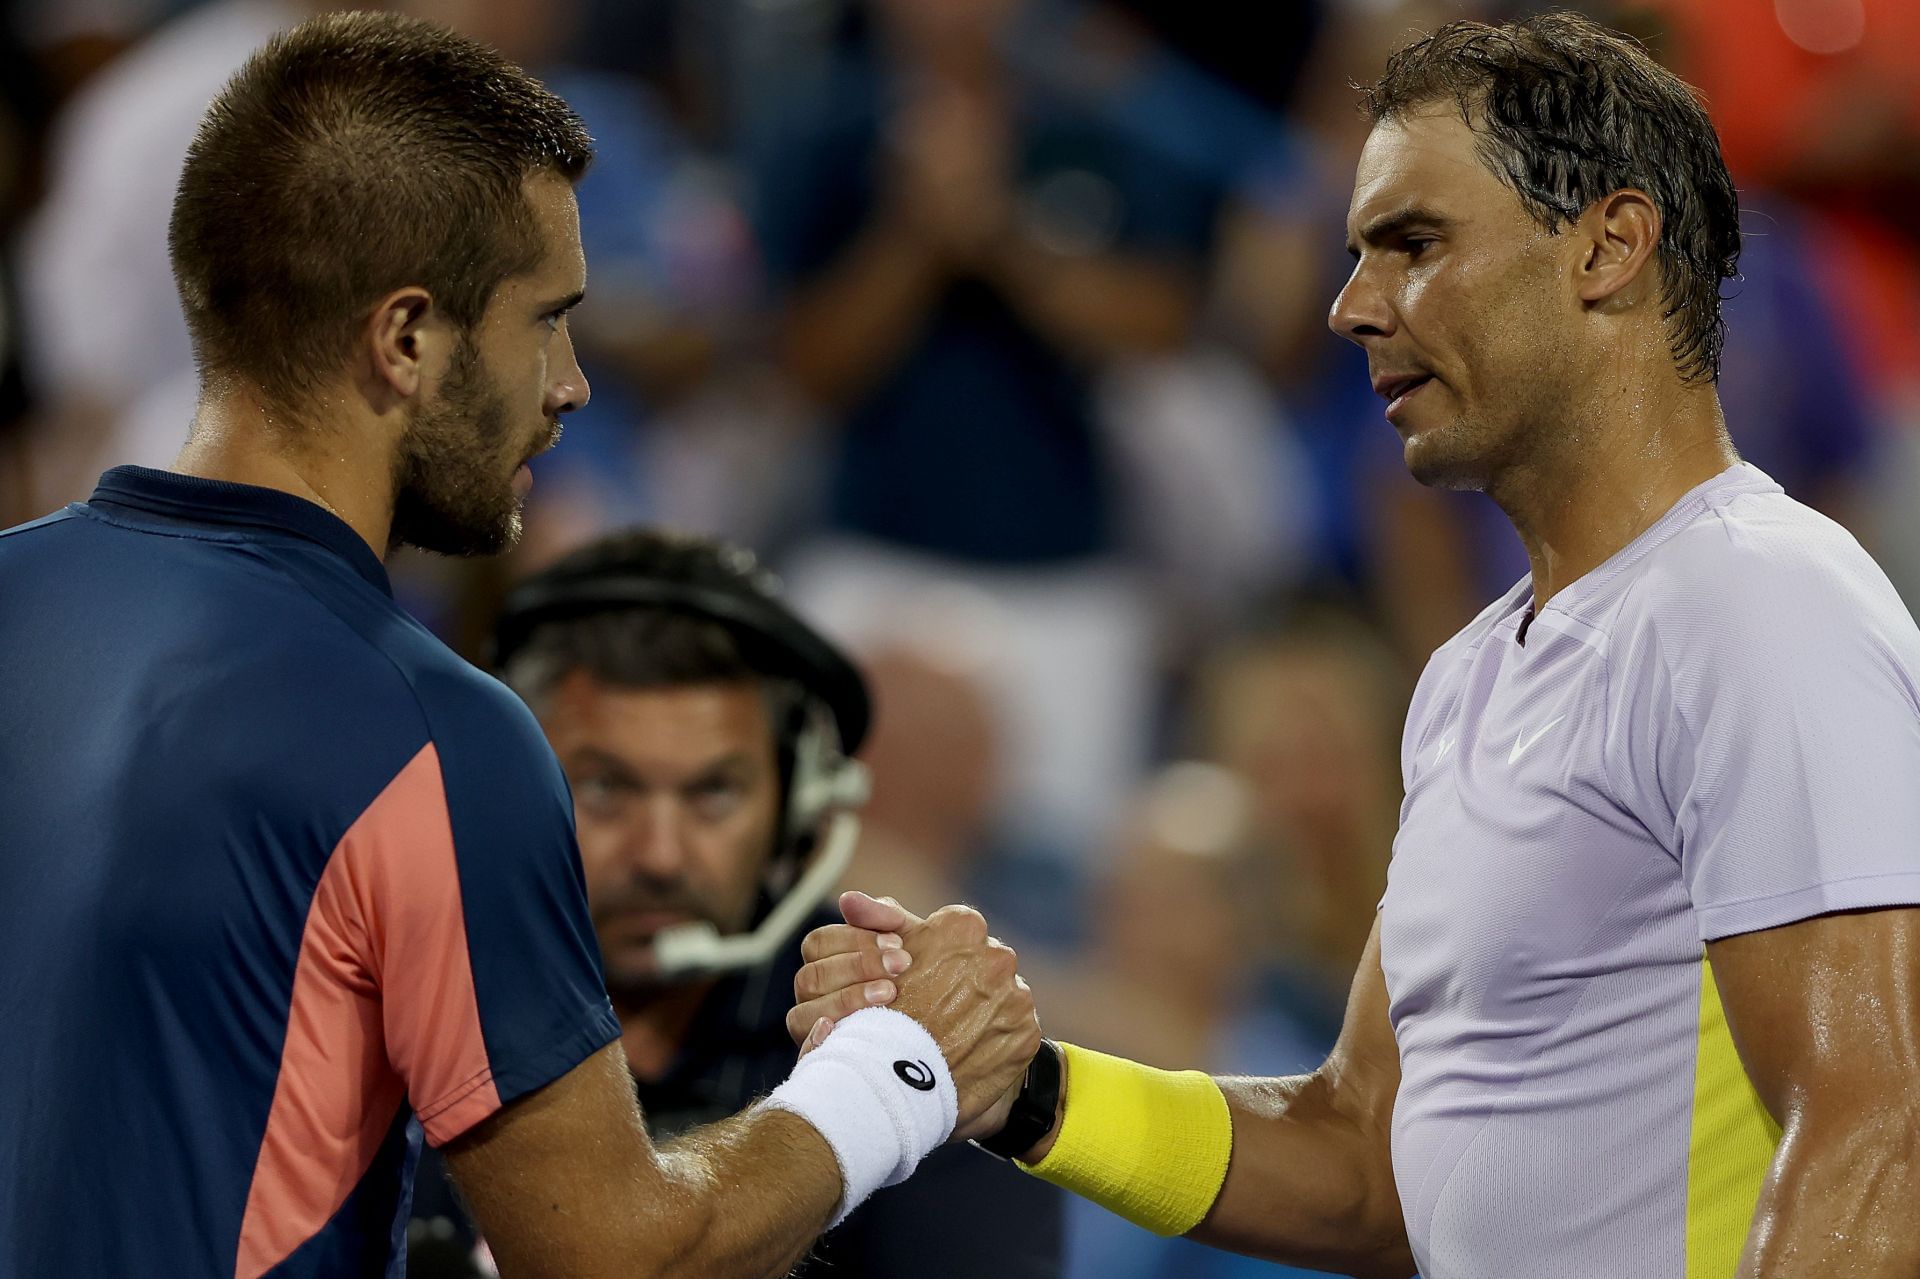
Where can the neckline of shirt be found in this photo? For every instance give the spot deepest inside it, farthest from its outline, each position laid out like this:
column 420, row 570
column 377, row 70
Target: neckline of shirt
column 1740, row 478
column 193, row 499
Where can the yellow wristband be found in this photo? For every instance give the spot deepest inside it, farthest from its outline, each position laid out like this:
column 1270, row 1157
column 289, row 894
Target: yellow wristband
column 1151, row 1145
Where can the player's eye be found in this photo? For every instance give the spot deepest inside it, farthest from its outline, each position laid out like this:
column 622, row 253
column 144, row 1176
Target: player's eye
column 1414, row 246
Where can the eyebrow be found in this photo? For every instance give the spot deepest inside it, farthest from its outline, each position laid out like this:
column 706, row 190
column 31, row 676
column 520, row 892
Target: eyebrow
column 730, row 766
column 1388, row 225
column 594, row 757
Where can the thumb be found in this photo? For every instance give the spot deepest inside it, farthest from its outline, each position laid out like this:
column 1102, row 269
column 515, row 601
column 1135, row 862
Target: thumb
column 877, row 916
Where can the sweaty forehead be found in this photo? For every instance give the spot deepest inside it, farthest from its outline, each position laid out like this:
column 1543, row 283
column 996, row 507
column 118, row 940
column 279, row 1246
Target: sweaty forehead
column 1425, row 159
column 556, row 216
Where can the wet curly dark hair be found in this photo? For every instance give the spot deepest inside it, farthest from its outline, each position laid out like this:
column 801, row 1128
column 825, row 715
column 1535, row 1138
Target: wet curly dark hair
column 1568, row 112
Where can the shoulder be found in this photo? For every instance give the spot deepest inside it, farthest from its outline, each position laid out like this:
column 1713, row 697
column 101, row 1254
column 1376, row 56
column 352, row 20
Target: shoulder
column 1764, row 573
column 14, row 539
column 490, row 745
column 1762, row 609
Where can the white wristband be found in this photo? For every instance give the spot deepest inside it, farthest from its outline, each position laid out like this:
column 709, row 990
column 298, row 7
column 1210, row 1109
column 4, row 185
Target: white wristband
column 879, row 1091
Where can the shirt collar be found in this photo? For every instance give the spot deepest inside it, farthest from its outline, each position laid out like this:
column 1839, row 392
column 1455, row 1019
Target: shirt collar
column 190, row 499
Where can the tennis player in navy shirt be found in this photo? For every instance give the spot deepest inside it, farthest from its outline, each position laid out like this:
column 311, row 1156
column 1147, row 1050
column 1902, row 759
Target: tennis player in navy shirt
column 284, row 884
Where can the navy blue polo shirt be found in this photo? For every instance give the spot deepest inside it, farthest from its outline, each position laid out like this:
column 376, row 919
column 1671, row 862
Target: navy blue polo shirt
column 283, row 883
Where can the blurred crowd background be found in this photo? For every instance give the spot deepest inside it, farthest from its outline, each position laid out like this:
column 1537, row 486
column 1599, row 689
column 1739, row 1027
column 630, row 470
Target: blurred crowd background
column 998, row 326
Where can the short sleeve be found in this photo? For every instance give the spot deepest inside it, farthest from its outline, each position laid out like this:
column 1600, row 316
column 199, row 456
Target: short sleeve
column 489, row 976
column 1768, row 727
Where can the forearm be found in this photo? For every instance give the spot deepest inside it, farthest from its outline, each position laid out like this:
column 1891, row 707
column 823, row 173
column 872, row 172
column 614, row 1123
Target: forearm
column 843, row 330
column 748, row 1194
column 1841, row 1201
column 1102, row 306
column 1308, row 1184
column 566, row 1184
column 1305, row 1181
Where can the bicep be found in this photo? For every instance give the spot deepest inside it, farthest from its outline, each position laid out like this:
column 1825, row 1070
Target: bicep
column 1827, row 1009
column 554, row 1179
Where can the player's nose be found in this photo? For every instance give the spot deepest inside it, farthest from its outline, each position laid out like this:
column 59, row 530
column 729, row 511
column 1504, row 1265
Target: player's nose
column 568, row 390
column 1361, row 310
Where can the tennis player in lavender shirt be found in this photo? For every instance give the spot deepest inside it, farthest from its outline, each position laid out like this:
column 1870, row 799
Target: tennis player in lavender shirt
column 1643, row 997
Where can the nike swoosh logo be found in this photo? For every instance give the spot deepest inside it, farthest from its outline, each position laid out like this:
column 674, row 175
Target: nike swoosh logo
column 1523, row 744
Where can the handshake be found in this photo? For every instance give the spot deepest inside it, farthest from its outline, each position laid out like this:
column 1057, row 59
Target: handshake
column 943, row 971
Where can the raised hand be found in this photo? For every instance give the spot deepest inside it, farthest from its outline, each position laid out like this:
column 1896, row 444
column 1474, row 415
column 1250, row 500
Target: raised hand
column 958, row 982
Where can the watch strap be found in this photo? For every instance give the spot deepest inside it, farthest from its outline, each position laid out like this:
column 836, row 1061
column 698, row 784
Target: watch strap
column 1034, row 1107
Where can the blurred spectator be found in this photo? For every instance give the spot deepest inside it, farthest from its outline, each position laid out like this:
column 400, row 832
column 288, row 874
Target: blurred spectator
column 1238, row 908
column 24, row 107
column 961, row 241
column 969, row 231
column 684, row 428
column 1310, row 714
column 935, row 762
column 1410, row 552
column 72, row 39
column 1171, row 958
column 108, row 346
column 1172, row 979
column 1819, row 100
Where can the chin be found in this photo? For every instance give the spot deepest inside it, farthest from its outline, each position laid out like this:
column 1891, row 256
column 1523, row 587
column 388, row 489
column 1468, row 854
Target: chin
column 466, row 528
column 1440, row 457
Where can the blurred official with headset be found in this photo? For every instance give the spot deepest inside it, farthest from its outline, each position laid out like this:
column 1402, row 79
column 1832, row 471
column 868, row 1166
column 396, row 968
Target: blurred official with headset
column 707, row 733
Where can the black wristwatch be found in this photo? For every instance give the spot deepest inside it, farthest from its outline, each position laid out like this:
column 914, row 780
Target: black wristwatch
column 1033, row 1109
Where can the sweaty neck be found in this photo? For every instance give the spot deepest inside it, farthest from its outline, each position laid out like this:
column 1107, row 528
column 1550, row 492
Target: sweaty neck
column 237, row 439
column 1613, row 471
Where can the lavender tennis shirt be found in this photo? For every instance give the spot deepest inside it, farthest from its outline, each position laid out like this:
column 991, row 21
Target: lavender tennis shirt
column 1716, row 731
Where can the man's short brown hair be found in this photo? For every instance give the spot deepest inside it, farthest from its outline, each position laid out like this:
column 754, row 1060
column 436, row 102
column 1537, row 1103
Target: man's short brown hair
column 356, row 154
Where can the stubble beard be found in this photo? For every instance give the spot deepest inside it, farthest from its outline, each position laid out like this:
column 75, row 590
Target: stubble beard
column 449, row 494
column 1456, row 454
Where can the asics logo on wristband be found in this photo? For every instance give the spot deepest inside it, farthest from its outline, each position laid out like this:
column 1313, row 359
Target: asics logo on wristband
column 914, row 1074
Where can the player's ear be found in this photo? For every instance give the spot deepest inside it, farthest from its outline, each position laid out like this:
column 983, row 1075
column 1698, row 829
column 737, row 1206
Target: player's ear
column 403, row 337
column 1617, row 238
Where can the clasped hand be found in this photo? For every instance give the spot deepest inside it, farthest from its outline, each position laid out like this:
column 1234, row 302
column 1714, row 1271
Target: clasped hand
column 946, row 973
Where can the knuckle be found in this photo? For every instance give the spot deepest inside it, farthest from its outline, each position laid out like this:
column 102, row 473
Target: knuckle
column 970, row 924
column 806, row 982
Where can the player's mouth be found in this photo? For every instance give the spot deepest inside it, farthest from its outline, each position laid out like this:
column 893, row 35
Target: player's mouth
column 523, row 476
column 1398, row 388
